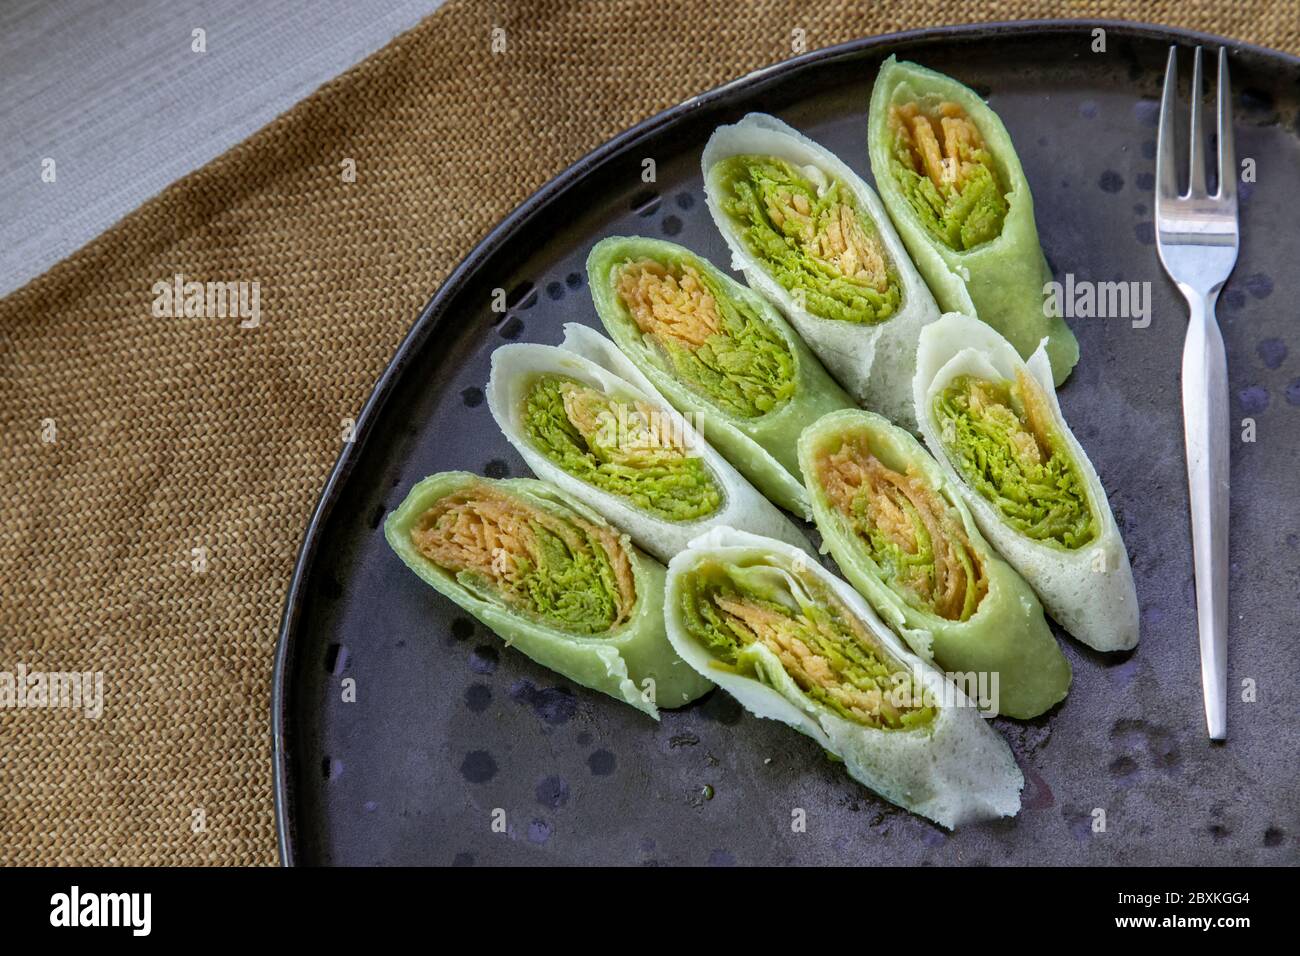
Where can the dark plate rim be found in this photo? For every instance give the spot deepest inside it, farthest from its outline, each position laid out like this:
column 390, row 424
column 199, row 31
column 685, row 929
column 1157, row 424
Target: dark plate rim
column 435, row 311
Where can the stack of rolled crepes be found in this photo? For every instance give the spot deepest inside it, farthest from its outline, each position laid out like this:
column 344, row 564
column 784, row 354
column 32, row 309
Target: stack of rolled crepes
column 717, row 416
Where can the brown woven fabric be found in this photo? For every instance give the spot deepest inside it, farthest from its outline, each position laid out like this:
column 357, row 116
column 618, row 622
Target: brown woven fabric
column 182, row 433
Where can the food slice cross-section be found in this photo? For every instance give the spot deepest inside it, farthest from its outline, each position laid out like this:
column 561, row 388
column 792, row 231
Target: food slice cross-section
column 901, row 533
column 623, row 447
column 994, row 424
column 813, row 238
column 950, row 177
column 586, row 420
column 793, row 643
column 719, row 353
column 551, row 578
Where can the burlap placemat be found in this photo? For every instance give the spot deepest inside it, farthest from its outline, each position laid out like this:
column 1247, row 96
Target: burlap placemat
column 159, row 470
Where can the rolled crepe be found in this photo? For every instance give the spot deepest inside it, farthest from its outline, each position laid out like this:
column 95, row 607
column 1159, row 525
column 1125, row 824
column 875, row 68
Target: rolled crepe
column 551, row 578
column 952, row 182
column 993, row 422
column 616, row 445
column 718, row 352
column 900, row 533
column 792, row 642
column 812, row 237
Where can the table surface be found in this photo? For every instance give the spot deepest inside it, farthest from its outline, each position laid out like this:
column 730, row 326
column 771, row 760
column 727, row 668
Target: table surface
column 117, row 96
column 182, row 433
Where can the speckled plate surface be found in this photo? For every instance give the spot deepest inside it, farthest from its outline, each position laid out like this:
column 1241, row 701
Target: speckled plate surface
column 449, row 725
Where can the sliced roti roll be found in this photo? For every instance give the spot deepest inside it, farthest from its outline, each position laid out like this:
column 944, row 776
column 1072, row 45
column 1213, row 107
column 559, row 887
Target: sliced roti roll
column 794, row 643
column 949, row 175
column 813, row 238
column 551, row 578
column 718, row 352
column 994, row 423
column 618, row 446
column 902, row 535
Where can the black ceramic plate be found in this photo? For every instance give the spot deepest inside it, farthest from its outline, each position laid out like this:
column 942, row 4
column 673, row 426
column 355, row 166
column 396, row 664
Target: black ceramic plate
column 449, row 725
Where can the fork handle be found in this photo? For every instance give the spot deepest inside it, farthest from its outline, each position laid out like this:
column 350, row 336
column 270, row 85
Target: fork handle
column 1205, row 427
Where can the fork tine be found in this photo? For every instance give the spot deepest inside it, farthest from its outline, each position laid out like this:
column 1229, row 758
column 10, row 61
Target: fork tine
column 1166, row 148
column 1227, row 150
column 1196, row 135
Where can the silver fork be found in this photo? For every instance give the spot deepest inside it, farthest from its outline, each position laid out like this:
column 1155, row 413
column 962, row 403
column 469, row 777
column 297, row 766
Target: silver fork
column 1196, row 234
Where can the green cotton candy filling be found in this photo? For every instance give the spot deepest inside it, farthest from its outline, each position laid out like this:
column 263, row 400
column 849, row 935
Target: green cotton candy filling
column 897, row 566
column 1027, row 474
column 546, row 565
column 805, row 615
column 913, row 571
column 573, row 589
column 960, row 218
column 569, row 588
column 620, row 455
column 751, row 186
column 745, row 368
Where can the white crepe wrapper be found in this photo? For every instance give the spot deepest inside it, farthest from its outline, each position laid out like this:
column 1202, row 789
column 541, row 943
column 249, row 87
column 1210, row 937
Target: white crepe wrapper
column 955, row 771
column 873, row 362
column 604, row 352
column 516, row 367
column 1089, row 591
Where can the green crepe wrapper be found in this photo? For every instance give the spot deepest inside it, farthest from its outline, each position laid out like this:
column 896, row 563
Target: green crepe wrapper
column 617, row 663
column 762, row 448
column 1007, row 634
column 1000, row 281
